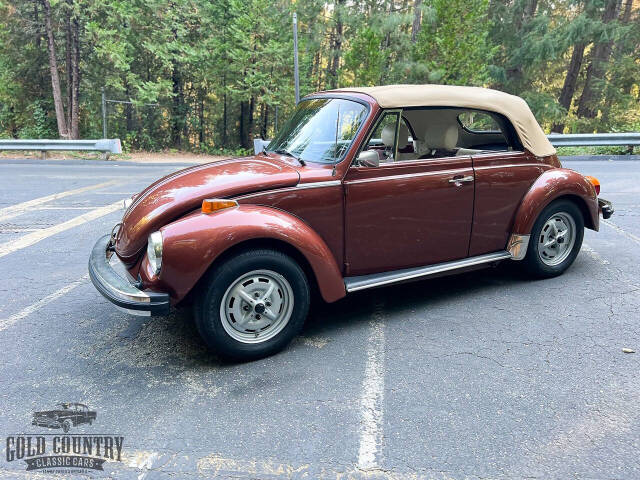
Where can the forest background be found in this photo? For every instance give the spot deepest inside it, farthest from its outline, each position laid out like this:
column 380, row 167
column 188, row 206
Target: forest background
column 210, row 75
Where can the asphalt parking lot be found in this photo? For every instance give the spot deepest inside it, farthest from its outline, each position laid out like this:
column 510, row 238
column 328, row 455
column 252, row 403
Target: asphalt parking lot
column 482, row 375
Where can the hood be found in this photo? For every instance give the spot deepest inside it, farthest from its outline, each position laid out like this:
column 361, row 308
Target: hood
column 50, row 413
column 174, row 195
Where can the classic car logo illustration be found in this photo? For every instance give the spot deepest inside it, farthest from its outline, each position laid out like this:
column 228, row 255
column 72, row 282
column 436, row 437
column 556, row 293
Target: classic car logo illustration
column 66, row 416
column 64, row 452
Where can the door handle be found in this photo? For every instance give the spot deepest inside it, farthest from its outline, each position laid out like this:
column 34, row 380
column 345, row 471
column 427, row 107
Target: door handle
column 460, row 180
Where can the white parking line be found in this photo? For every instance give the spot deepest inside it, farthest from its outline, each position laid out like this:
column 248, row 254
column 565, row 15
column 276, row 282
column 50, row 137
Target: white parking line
column 60, row 207
column 35, row 237
column 20, row 208
column 593, row 254
column 372, row 399
column 7, row 322
column 618, row 229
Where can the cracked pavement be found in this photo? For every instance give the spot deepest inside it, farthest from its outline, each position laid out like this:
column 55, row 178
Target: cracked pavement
column 485, row 374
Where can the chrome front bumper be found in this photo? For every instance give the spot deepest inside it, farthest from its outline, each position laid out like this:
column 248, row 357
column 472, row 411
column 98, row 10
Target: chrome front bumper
column 120, row 291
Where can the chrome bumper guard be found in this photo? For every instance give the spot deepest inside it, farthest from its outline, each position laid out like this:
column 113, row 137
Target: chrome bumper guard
column 605, row 207
column 119, row 290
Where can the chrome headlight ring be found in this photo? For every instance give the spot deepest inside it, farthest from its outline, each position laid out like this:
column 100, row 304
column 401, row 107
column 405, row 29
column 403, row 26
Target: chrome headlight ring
column 154, row 252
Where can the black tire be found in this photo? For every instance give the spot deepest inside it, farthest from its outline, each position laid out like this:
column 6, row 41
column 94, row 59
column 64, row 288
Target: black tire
column 533, row 263
column 214, row 285
column 66, row 426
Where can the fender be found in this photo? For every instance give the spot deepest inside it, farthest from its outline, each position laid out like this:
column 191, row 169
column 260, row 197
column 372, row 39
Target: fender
column 550, row 185
column 192, row 243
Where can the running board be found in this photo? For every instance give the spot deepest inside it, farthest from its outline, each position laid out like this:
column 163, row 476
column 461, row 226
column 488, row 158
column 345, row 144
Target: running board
column 361, row 282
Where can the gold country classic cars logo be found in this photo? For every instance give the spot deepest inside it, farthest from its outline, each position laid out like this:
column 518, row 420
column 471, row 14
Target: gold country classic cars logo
column 64, row 452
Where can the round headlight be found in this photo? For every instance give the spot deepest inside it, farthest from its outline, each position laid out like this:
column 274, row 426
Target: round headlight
column 154, row 252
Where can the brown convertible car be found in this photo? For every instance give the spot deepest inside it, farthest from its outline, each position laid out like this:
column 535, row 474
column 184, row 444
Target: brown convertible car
column 363, row 187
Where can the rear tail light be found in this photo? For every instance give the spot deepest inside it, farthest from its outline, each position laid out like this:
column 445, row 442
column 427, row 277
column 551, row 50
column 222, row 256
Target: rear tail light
column 595, row 182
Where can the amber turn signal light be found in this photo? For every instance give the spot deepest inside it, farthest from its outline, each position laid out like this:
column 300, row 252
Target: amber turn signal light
column 212, row 205
column 595, row 182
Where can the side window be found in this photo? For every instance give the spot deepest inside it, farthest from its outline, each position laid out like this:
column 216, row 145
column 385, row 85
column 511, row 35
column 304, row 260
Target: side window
column 383, row 138
column 478, row 122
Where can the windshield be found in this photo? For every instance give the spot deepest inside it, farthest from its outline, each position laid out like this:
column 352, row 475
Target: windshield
column 320, row 130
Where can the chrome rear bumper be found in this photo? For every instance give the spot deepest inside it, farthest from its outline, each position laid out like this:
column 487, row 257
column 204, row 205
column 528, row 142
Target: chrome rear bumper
column 119, row 290
column 605, row 207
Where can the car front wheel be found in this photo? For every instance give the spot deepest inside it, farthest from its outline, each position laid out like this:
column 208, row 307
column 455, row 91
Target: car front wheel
column 555, row 239
column 252, row 305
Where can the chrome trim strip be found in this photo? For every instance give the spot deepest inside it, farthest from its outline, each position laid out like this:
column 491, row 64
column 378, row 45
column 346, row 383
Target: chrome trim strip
column 328, row 183
column 362, row 282
column 509, row 165
column 518, row 245
column 409, row 175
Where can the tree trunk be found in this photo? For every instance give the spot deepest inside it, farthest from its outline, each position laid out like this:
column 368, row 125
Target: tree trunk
column 570, row 81
column 128, row 108
column 628, row 9
column 618, row 52
column 68, row 49
column 201, row 119
column 592, row 93
column 224, row 119
column 177, row 115
column 265, row 119
column 75, row 80
column 514, row 73
column 243, row 123
column 250, row 123
column 53, row 67
column 417, row 18
column 38, row 35
column 336, row 46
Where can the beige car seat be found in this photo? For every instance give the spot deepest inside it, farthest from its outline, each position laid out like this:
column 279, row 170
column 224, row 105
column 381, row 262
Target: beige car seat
column 439, row 140
column 388, row 136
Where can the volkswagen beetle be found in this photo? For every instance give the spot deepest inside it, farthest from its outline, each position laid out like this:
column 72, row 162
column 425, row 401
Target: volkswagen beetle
column 363, row 187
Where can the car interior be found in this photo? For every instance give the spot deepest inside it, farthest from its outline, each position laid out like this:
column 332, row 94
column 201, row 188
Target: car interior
column 426, row 133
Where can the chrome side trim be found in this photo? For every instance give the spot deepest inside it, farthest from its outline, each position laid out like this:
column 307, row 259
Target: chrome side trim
column 328, row 183
column 518, row 245
column 400, row 176
column 362, row 282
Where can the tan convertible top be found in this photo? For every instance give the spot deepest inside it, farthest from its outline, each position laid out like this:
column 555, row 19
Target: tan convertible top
column 512, row 107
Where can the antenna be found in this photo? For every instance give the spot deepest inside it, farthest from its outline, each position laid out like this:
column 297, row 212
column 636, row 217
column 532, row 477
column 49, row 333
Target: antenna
column 335, row 151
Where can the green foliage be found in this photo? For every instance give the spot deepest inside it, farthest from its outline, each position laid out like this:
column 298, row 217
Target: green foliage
column 41, row 124
column 209, row 75
column 365, row 58
column 454, row 42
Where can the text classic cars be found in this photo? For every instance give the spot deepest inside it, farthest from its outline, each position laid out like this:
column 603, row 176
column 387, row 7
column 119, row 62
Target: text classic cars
column 363, row 187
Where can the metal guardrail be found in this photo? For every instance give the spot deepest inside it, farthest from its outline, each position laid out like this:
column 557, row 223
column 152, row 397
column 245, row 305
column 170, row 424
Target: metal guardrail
column 106, row 145
column 594, row 139
column 557, row 140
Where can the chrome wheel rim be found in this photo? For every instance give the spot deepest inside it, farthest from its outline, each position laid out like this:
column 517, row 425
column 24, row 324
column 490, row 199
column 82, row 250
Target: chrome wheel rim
column 556, row 239
column 257, row 306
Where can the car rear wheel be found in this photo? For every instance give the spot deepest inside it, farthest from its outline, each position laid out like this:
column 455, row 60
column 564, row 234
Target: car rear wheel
column 252, row 305
column 66, row 425
column 555, row 239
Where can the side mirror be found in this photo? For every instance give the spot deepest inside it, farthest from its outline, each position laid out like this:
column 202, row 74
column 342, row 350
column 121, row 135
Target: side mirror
column 368, row 158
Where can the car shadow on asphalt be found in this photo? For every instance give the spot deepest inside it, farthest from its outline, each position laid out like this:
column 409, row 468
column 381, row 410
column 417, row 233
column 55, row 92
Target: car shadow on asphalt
column 358, row 307
column 175, row 339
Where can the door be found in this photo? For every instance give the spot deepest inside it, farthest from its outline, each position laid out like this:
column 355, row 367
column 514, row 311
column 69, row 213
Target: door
column 502, row 180
column 407, row 213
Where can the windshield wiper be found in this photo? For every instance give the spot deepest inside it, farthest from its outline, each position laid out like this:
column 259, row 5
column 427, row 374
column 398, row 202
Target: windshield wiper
column 284, row 151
